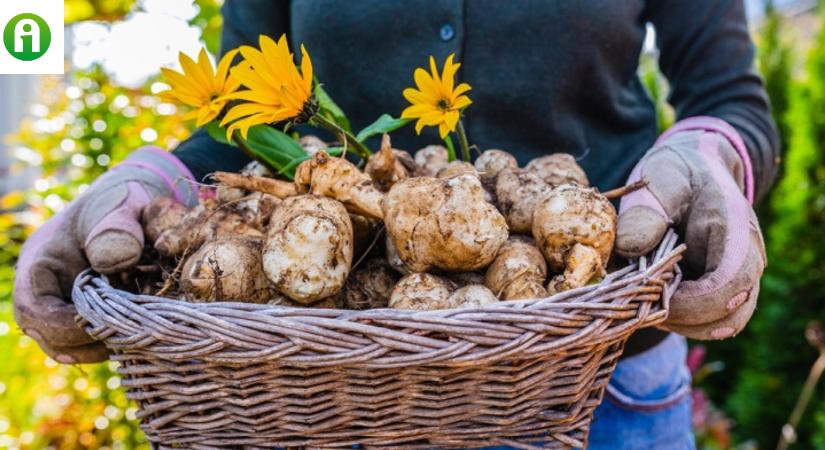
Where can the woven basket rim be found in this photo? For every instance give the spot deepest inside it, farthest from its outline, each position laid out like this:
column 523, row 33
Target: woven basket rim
column 637, row 270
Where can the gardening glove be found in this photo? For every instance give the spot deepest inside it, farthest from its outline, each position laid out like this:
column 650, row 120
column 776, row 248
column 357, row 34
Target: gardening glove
column 101, row 229
column 700, row 182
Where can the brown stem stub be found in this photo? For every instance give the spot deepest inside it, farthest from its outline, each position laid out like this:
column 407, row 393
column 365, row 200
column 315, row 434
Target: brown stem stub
column 271, row 186
column 624, row 190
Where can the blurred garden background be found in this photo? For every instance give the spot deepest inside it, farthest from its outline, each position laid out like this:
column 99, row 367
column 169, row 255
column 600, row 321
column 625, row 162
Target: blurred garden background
column 62, row 132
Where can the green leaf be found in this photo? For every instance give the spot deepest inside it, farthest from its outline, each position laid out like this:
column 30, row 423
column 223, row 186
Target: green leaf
column 385, row 124
column 217, row 133
column 330, row 109
column 274, row 147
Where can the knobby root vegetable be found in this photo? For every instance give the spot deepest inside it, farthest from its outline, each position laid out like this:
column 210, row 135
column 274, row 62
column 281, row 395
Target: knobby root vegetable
column 312, row 144
column 255, row 209
column 471, row 296
column 369, row 286
column 393, row 258
column 421, row 292
column 583, row 265
column 339, row 179
column 570, row 215
column 159, row 215
column 200, row 224
column 558, row 169
column 457, row 168
column 430, row 160
column 518, row 191
column 271, row 186
column 445, row 224
column 256, row 169
column 518, row 272
column 226, row 194
column 490, row 163
column 226, row 269
column 389, row 166
column 308, row 251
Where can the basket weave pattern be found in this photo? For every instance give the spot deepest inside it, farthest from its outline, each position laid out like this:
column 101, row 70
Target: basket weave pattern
column 235, row 375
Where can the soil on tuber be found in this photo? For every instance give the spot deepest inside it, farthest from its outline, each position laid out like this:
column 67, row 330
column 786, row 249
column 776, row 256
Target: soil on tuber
column 370, row 286
column 518, row 272
column 471, row 296
column 558, row 169
column 421, row 292
column 517, row 193
column 572, row 214
column 443, row 223
column 226, row 269
column 430, row 160
column 308, row 250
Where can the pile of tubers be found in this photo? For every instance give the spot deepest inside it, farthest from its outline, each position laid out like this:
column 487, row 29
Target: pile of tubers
column 413, row 232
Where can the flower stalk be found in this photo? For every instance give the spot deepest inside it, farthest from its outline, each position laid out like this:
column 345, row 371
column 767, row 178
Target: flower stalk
column 462, row 141
column 347, row 139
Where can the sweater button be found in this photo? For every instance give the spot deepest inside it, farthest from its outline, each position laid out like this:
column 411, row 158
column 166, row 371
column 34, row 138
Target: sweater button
column 447, row 32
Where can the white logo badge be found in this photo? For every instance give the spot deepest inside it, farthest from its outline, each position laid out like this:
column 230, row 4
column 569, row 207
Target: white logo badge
column 31, row 34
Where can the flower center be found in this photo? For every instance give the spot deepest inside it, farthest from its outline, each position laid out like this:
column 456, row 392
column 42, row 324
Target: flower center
column 443, row 104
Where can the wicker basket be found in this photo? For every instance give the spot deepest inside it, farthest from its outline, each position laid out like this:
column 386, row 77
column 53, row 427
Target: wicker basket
column 235, row 375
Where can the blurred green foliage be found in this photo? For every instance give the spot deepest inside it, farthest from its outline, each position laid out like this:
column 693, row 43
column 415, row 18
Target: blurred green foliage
column 81, row 125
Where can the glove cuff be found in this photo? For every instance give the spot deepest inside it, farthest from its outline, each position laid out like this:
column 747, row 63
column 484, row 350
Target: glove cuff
column 175, row 175
column 717, row 125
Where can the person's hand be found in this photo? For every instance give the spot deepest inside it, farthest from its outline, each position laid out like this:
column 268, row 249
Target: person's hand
column 700, row 182
column 101, row 229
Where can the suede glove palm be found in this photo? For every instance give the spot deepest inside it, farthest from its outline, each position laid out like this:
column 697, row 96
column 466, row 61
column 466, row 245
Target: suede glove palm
column 700, row 181
column 100, row 229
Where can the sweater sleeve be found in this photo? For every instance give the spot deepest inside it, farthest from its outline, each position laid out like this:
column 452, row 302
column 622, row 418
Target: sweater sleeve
column 243, row 22
column 707, row 56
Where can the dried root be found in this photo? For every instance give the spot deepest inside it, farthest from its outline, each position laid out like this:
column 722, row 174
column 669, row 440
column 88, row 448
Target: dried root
column 339, row 179
column 389, row 166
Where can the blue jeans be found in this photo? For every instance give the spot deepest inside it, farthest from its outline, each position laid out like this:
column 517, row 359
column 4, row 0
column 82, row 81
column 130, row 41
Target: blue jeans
column 647, row 404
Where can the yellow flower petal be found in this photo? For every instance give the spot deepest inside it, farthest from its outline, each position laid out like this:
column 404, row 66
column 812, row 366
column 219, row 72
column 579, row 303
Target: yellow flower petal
column 201, row 86
column 443, row 130
column 222, row 73
column 276, row 90
column 461, row 102
column 436, row 100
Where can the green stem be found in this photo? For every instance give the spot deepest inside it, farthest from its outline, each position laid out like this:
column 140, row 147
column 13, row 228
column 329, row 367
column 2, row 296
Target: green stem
column 450, row 148
column 248, row 151
column 343, row 134
column 462, row 140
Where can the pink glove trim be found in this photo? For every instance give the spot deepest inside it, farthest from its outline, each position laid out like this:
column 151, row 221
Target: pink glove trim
column 738, row 230
column 171, row 158
column 170, row 183
column 714, row 124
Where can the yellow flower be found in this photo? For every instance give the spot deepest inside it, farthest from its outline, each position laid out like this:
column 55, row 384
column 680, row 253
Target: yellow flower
column 201, row 86
column 436, row 101
column 276, row 89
